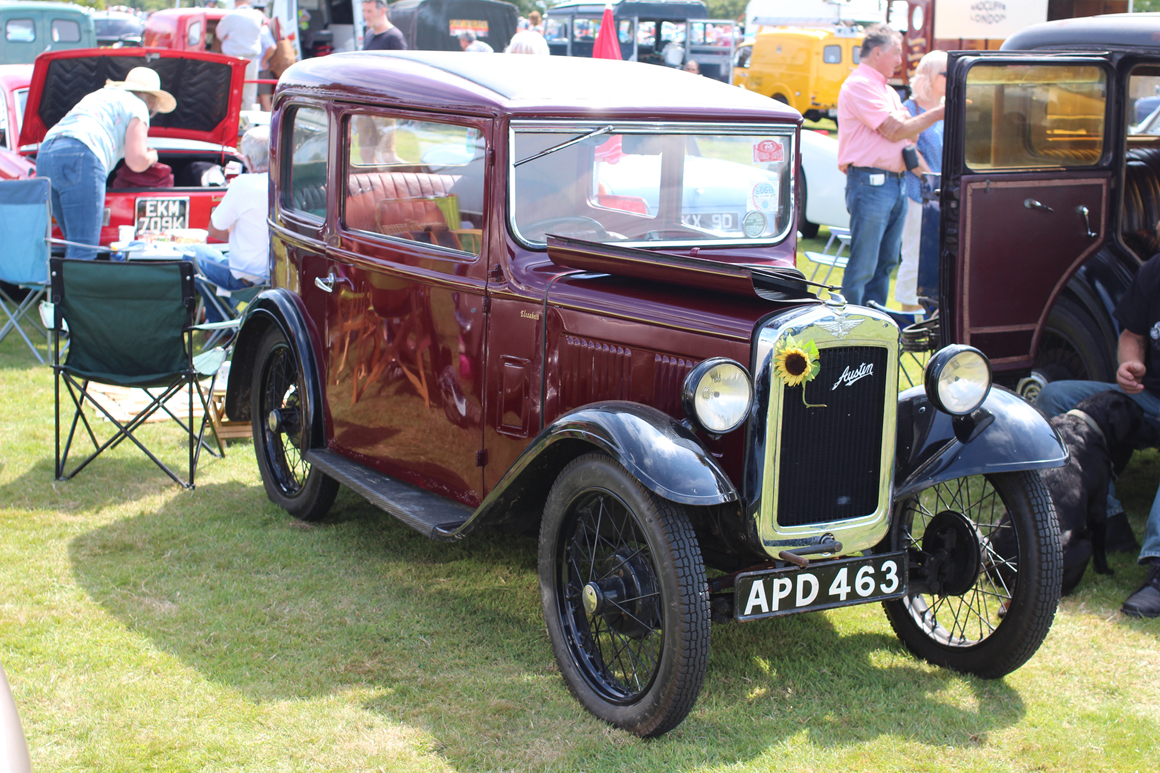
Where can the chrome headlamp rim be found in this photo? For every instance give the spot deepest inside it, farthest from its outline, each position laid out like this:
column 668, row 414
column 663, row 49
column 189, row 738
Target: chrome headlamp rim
column 939, row 361
column 689, row 393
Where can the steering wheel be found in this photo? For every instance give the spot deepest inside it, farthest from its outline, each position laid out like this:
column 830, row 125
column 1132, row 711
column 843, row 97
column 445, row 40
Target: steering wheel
column 587, row 222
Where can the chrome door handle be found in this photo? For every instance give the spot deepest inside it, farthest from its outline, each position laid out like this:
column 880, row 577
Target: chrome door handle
column 1086, row 222
column 325, row 285
column 1033, row 204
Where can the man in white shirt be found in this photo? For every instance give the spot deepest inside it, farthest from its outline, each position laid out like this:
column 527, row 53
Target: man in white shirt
column 240, row 33
column 240, row 219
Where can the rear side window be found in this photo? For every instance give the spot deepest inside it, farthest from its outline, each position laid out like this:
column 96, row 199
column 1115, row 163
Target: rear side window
column 420, row 181
column 832, row 54
column 306, row 191
column 20, row 31
column 1034, row 116
column 193, row 38
column 65, row 31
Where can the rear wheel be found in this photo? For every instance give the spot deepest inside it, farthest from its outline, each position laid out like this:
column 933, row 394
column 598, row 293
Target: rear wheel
column 281, row 427
column 984, row 593
column 625, row 598
column 1074, row 346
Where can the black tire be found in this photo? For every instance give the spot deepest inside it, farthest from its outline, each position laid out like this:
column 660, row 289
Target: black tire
column 1074, row 346
column 637, row 661
column 993, row 626
column 281, row 432
column 807, row 229
column 780, row 98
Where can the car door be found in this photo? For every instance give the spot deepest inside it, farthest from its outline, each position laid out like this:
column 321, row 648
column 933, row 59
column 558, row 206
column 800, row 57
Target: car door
column 1027, row 193
column 405, row 298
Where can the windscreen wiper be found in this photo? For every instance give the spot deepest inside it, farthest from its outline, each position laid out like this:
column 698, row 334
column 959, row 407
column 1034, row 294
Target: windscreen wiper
column 569, row 143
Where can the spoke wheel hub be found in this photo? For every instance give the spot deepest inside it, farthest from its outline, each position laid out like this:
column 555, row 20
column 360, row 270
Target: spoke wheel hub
column 955, row 551
column 626, row 596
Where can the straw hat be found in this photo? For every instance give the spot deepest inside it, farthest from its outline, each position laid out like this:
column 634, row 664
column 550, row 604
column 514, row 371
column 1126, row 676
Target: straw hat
column 146, row 81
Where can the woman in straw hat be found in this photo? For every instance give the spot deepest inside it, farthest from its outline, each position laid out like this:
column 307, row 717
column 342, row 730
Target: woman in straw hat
column 79, row 152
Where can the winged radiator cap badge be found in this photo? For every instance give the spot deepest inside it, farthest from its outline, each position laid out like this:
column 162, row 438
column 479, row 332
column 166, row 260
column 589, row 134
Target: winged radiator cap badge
column 840, row 327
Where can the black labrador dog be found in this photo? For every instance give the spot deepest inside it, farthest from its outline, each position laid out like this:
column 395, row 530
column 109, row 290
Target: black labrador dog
column 1100, row 433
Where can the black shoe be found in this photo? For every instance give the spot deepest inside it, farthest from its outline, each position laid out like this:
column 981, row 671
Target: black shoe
column 1146, row 601
column 1120, row 538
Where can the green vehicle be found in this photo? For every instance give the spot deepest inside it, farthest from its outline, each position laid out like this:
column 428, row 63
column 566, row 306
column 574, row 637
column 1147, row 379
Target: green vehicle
column 32, row 28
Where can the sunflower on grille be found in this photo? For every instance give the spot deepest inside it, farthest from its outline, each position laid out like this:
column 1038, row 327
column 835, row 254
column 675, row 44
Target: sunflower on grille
column 797, row 363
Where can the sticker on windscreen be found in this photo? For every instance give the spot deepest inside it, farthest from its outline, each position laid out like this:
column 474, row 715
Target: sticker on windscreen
column 767, row 152
column 753, row 224
column 764, row 197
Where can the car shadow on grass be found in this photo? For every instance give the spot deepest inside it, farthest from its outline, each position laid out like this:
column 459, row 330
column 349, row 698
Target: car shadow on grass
column 449, row 639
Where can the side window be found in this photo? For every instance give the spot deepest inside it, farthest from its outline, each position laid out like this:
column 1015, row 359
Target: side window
column 1038, row 115
column 743, row 56
column 625, row 33
column 193, row 38
column 416, row 180
column 1144, row 101
column 20, row 31
column 556, row 29
column 856, row 54
column 832, row 54
column 584, row 30
column 305, row 190
column 65, row 31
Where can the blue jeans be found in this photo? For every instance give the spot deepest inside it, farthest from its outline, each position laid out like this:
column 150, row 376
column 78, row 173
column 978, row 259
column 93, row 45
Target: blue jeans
column 78, row 192
column 877, row 214
column 216, row 268
column 1060, row 396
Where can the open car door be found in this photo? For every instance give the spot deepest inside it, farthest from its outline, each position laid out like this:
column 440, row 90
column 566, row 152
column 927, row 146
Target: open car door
column 1026, row 195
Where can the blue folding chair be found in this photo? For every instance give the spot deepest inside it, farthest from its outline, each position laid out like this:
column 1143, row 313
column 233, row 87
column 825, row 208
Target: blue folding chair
column 25, row 236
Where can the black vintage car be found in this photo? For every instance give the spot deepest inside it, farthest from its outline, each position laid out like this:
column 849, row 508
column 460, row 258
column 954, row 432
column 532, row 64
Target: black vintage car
column 1051, row 194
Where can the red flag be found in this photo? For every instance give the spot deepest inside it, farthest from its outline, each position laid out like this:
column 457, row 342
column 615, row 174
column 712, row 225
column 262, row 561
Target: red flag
column 607, row 45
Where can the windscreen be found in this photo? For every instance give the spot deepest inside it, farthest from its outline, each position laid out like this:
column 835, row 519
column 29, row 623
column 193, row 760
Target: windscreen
column 630, row 184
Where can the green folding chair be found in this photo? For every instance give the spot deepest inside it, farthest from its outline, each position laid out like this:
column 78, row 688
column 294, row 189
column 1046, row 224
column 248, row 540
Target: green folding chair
column 130, row 324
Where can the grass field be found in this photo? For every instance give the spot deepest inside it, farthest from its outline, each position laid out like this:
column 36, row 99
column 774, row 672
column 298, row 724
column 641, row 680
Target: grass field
column 146, row 628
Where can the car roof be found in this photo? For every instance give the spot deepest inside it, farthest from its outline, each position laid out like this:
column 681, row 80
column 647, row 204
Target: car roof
column 669, row 9
column 26, row 5
column 1119, row 31
column 552, row 86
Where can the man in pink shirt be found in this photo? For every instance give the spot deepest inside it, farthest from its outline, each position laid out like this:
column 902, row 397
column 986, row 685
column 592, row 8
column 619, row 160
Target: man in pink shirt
column 873, row 129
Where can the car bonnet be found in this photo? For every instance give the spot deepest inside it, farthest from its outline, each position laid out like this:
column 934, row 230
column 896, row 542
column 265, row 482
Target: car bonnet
column 207, row 88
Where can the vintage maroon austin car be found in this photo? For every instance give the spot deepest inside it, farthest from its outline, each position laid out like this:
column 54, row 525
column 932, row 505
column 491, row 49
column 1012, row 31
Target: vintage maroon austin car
column 197, row 139
column 556, row 297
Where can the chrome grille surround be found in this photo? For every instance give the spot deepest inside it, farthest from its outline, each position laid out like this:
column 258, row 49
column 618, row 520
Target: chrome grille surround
column 832, row 326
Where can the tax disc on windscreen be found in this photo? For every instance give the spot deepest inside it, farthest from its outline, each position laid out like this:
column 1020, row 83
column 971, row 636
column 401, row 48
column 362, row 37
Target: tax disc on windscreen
column 764, row 197
column 753, row 224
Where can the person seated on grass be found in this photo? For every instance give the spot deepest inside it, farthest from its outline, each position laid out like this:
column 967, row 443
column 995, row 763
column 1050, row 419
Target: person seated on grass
column 240, row 219
column 1138, row 377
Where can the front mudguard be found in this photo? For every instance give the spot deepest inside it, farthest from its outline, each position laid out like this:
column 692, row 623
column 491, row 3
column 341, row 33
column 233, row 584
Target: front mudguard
column 1006, row 434
column 660, row 452
column 282, row 309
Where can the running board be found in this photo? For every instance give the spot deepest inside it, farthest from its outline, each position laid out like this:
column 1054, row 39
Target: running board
column 434, row 516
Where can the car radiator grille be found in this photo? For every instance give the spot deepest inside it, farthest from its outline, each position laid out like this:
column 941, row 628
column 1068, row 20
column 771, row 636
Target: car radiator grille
column 829, row 468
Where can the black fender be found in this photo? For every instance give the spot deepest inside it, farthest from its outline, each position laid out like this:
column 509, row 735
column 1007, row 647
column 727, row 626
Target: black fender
column 1006, row 434
column 660, row 452
column 281, row 308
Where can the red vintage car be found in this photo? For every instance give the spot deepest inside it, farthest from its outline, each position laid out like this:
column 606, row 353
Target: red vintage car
column 197, row 139
column 183, row 29
column 14, row 80
column 559, row 300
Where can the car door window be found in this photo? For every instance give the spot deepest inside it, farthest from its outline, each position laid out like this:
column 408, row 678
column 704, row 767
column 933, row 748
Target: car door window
column 20, row 31
column 65, row 31
column 1035, row 116
column 419, row 181
column 308, row 135
column 193, row 38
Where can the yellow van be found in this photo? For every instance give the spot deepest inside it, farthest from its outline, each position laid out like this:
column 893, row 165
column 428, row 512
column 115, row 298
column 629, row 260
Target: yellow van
column 803, row 68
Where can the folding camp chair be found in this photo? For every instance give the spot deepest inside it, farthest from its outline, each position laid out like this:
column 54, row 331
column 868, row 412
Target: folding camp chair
column 225, row 302
column 25, row 233
column 130, row 325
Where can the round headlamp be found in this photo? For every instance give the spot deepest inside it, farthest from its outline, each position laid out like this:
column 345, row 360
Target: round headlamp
column 958, row 379
column 717, row 395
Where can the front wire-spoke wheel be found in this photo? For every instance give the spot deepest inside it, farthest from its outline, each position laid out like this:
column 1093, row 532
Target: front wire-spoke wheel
column 987, row 581
column 281, row 430
column 624, row 595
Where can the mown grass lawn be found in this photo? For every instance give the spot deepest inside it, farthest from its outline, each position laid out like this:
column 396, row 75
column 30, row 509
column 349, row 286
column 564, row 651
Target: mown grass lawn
column 146, row 628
